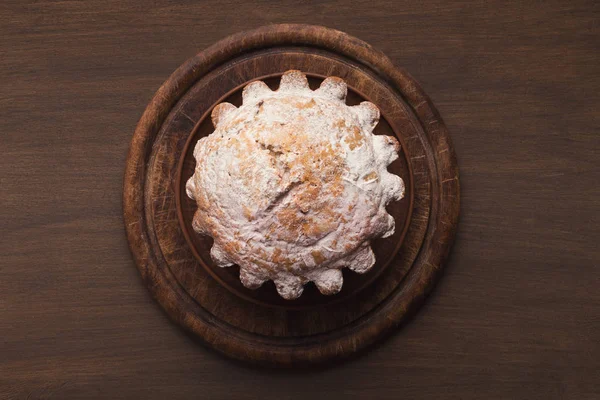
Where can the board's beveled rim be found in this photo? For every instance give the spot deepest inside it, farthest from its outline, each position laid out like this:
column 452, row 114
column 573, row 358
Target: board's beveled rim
column 400, row 304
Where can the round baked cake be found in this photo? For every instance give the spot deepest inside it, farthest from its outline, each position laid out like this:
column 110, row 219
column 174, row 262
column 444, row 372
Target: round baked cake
column 292, row 185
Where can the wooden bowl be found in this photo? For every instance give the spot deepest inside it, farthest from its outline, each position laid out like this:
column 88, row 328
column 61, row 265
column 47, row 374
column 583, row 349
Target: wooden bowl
column 258, row 325
column 266, row 295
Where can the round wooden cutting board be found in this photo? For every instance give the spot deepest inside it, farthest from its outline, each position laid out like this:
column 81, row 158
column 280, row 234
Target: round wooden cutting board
column 258, row 325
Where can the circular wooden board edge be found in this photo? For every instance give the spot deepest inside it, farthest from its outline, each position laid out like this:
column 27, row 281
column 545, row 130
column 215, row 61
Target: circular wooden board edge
column 179, row 82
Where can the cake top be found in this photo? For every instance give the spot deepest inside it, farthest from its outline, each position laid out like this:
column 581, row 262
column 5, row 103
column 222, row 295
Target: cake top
column 292, row 185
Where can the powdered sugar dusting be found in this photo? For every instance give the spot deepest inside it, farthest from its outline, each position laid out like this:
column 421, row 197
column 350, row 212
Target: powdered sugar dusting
column 292, row 185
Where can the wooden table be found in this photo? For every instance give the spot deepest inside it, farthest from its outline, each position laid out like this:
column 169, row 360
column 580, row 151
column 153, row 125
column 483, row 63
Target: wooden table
column 514, row 316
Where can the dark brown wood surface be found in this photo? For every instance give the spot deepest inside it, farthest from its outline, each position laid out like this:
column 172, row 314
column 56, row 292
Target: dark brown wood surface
column 514, row 316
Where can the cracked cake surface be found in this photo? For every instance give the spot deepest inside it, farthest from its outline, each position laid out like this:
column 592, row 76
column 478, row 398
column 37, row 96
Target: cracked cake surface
column 292, row 185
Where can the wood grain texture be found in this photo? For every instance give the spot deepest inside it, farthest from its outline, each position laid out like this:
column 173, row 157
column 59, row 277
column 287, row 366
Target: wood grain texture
column 258, row 326
column 516, row 313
